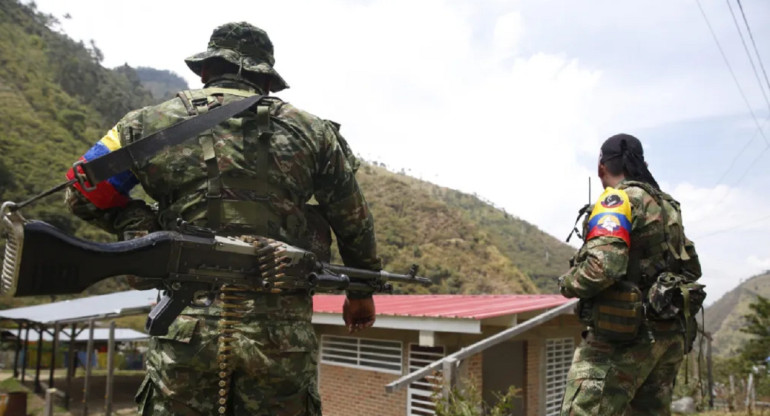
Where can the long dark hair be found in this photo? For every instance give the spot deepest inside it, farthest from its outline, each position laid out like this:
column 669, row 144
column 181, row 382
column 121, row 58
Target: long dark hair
column 623, row 153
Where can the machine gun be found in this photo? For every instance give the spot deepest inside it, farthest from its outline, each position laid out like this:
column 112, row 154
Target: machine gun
column 40, row 259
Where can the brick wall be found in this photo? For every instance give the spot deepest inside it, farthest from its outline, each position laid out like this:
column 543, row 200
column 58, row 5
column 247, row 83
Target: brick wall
column 534, row 371
column 349, row 391
column 471, row 372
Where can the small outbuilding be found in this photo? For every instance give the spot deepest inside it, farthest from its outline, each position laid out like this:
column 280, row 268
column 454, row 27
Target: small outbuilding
column 416, row 331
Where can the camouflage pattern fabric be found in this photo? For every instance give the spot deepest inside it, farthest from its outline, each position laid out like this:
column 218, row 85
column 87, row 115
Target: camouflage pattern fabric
column 308, row 159
column 271, row 369
column 244, row 45
column 623, row 379
column 636, row 377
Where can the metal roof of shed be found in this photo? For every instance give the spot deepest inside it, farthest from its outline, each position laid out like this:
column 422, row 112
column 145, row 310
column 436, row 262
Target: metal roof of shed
column 98, row 307
column 100, row 334
column 447, row 306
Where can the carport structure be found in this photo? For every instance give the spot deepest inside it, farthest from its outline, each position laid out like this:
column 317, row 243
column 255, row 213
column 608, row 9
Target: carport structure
column 68, row 319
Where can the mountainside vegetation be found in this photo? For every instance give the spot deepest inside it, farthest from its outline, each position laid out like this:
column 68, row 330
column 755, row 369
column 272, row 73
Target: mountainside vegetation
column 465, row 243
column 725, row 317
column 162, row 84
column 59, row 100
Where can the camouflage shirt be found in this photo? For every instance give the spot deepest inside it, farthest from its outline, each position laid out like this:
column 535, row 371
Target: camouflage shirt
column 308, row 158
column 624, row 236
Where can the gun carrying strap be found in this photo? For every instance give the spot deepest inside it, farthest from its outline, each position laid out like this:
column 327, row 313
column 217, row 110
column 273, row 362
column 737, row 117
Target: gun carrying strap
column 218, row 210
column 142, row 150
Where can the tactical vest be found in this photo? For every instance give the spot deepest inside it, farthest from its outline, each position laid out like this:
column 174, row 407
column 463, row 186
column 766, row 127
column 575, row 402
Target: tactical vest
column 617, row 314
column 267, row 208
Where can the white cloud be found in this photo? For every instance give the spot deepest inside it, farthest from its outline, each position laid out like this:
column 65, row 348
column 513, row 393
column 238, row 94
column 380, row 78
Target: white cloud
column 509, row 29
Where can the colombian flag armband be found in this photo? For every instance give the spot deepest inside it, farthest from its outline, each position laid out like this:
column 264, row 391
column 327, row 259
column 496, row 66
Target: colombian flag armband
column 114, row 192
column 611, row 216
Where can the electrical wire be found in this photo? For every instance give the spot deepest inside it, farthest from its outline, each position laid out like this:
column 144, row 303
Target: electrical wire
column 740, row 153
column 732, row 73
column 751, row 36
column 748, row 54
column 724, row 230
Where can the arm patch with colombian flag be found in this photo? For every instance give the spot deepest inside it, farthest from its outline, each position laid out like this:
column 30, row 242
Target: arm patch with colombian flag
column 113, row 192
column 611, row 216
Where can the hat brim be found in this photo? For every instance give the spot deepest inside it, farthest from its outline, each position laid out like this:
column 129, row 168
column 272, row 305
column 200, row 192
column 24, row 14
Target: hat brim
column 249, row 64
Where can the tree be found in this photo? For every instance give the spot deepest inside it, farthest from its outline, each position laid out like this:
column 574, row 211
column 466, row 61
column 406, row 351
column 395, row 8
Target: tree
column 755, row 352
column 757, row 321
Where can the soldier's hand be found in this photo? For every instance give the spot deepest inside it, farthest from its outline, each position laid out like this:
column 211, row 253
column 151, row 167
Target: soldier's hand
column 358, row 314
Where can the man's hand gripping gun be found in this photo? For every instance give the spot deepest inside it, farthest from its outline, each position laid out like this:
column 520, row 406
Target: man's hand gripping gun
column 42, row 260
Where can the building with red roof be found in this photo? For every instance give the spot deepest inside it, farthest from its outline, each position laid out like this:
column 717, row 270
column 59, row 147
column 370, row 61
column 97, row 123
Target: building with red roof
column 413, row 331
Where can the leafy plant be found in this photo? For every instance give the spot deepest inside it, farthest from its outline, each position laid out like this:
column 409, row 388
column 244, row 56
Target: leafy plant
column 468, row 402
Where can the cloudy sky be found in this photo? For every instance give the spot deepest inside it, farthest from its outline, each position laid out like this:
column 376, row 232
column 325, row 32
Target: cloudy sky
column 511, row 100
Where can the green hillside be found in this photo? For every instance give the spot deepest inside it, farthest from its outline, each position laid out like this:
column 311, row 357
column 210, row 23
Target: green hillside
column 724, row 317
column 162, row 84
column 59, row 100
column 472, row 246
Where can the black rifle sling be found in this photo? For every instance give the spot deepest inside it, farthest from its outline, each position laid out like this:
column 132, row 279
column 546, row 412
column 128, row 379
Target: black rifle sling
column 142, row 150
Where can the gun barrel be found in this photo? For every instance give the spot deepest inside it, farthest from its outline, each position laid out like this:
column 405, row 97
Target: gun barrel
column 363, row 274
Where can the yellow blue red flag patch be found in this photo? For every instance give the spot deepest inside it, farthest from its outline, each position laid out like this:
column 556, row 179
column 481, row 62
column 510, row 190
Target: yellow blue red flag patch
column 611, row 216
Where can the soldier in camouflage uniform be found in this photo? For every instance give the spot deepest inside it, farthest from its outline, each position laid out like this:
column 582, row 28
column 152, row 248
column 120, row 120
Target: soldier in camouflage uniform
column 249, row 352
column 628, row 360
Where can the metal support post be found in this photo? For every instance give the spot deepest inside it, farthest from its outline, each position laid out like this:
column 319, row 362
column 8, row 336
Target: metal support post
column 54, row 345
column 89, row 351
column 71, row 365
column 39, row 356
column 16, row 353
column 110, row 371
column 25, row 360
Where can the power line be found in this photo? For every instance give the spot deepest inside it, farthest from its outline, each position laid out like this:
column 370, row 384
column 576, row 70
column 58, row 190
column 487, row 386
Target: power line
column 755, row 220
column 751, row 165
column 745, row 172
column 751, row 36
column 746, row 48
column 727, row 62
column 743, row 149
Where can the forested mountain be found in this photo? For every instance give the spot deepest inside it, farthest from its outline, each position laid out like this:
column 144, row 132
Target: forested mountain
column 162, row 84
column 470, row 245
column 59, row 99
column 724, row 318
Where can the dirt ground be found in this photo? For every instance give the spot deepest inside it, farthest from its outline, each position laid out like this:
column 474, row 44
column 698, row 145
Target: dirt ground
column 124, row 389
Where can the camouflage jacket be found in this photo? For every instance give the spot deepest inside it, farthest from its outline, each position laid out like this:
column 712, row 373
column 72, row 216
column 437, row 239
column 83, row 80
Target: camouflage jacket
column 308, row 158
column 624, row 238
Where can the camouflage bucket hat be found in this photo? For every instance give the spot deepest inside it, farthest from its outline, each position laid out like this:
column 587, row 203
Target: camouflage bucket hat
column 244, row 45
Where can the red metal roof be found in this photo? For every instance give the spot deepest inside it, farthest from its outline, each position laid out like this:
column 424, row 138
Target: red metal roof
column 447, row 306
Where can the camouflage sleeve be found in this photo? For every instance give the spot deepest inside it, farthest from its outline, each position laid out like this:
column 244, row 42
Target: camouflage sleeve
column 109, row 206
column 603, row 259
column 691, row 264
column 600, row 262
column 343, row 204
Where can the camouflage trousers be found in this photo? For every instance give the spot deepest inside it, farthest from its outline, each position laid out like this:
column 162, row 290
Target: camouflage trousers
column 257, row 356
column 623, row 379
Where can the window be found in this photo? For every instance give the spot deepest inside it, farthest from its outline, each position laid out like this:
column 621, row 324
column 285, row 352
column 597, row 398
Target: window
column 420, row 393
column 370, row 354
column 558, row 358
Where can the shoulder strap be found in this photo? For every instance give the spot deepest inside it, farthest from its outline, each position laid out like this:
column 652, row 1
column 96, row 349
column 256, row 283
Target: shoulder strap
column 126, row 157
column 214, row 201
